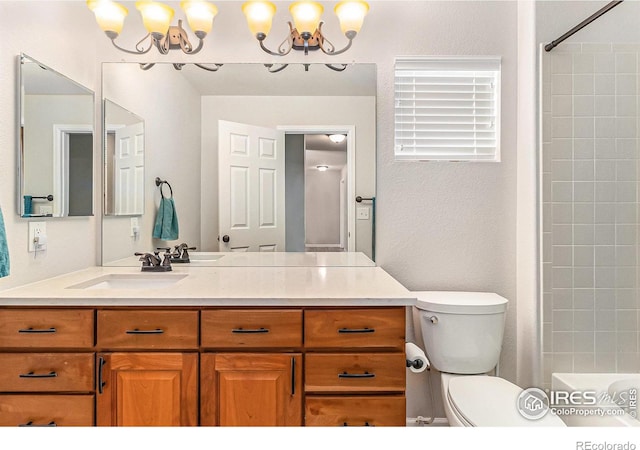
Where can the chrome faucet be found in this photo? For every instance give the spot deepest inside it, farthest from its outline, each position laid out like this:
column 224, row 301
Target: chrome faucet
column 151, row 262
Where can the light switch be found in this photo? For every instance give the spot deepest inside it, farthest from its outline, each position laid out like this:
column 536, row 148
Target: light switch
column 363, row 213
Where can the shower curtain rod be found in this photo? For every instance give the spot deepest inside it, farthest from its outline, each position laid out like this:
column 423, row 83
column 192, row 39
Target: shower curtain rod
column 608, row 7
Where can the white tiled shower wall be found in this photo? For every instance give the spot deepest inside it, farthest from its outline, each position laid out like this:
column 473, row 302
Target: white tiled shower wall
column 590, row 193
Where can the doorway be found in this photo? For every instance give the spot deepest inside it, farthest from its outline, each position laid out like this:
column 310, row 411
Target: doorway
column 73, row 170
column 319, row 181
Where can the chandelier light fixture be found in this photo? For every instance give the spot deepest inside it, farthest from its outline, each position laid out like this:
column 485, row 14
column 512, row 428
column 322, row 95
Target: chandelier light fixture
column 156, row 18
column 305, row 33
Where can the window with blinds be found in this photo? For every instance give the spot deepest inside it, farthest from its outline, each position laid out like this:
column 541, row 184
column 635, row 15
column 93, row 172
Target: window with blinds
column 447, row 109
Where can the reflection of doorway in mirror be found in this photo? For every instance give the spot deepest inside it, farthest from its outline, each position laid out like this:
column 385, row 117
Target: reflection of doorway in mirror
column 124, row 178
column 325, row 176
column 274, row 197
column 319, row 180
column 72, row 172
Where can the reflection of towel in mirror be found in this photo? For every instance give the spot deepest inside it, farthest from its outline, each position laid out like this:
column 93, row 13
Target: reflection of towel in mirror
column 166, row 227
column 4, row 249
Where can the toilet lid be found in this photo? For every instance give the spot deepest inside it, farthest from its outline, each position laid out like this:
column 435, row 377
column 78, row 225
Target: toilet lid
column 486, row 401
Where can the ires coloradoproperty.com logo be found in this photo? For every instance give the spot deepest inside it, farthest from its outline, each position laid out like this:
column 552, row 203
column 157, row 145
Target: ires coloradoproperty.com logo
column 534, row 403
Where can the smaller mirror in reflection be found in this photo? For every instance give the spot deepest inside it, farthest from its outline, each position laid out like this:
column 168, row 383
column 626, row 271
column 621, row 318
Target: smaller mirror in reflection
column 124, row 161
column 56, row 143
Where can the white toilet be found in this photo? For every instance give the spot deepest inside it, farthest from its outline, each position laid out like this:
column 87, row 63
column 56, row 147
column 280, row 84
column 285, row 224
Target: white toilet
column 462, row 336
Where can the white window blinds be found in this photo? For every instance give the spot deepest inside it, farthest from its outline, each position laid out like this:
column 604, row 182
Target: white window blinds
column 447, row 109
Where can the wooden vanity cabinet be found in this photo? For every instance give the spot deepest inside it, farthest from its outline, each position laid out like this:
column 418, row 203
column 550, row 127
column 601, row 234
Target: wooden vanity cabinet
column 254, row 378
column 147, row 389
column 138, row 366
column 46, row 367
column 251, row 389
column 136, row 387
column 355, row 367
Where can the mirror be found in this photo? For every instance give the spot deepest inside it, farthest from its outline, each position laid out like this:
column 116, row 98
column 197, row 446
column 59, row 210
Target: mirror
column 197, row 118
column 55, row 143
column 123, row 161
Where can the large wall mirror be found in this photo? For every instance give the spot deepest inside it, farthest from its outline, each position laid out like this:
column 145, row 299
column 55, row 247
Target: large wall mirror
column 55, row 143
column 253, row 158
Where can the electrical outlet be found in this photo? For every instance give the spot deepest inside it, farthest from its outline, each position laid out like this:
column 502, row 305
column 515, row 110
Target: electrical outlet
column 37, row 236
column 363, row 213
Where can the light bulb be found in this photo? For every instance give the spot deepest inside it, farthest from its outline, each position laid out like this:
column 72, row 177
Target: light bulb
column 109, row 15
column 156, row 16
column 351, row 15
column 306, row 16
column 259, row 16
column 200, row 15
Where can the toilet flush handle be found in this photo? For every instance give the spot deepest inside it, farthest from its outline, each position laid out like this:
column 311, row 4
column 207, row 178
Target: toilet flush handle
column 433, row 319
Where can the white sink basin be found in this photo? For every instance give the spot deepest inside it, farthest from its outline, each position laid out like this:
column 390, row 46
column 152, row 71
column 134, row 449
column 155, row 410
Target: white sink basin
column 204, row 257
column 131, row 281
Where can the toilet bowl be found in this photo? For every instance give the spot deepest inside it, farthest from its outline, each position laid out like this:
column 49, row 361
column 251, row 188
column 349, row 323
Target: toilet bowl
column 462, row 336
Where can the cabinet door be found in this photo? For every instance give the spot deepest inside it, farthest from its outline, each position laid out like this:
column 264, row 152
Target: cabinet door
column 251, row 389
column 147, row 389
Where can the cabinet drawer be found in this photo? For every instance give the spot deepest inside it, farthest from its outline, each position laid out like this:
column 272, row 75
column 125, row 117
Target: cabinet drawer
column 355, row 372
column 43, row 410
column 46, row 328
column 46, row 372
column 355, row 411
column 148, row 329
column 372, row 328
column 251, row 328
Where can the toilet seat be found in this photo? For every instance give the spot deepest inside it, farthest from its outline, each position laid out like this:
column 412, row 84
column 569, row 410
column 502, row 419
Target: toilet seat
column 485, row 401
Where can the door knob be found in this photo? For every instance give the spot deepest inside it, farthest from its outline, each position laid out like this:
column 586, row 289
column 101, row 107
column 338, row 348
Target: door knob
column 225, row 238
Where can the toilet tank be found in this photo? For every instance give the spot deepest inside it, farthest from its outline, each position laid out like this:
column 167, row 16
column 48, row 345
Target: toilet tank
column 461, row 331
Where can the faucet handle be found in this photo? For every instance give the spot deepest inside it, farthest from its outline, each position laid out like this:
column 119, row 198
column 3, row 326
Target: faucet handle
column 185, row 252
column 166, row 261
column 144, row 257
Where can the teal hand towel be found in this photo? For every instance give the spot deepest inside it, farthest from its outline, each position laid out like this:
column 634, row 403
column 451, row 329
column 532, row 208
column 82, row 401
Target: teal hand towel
column 166, row 226
column 4, row 249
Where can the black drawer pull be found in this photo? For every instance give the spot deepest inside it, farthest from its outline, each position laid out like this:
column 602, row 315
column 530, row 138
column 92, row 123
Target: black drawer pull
column 36, row 375
column 31, row 424
column 356, row 375
column 357, row 330
column 34, row 331
column 101, row 383
column 137, row 331
column 250, row 331
column 366, row 424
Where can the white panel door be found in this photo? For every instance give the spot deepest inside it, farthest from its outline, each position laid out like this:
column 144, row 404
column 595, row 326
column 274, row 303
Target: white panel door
column 129, row 170
column 251, row 188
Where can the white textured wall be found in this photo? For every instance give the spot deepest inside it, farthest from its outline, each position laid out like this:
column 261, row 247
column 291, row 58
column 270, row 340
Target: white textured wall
column 27, row 28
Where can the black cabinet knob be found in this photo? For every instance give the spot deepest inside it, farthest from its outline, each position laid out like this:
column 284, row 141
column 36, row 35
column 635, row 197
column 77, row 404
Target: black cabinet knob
column 225, row 238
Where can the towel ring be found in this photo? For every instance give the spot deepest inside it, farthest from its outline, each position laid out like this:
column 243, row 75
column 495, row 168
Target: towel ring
column 160, row 183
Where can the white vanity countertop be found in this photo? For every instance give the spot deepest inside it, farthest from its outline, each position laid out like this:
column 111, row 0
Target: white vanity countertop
column 219, row 286
column 265, row 259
